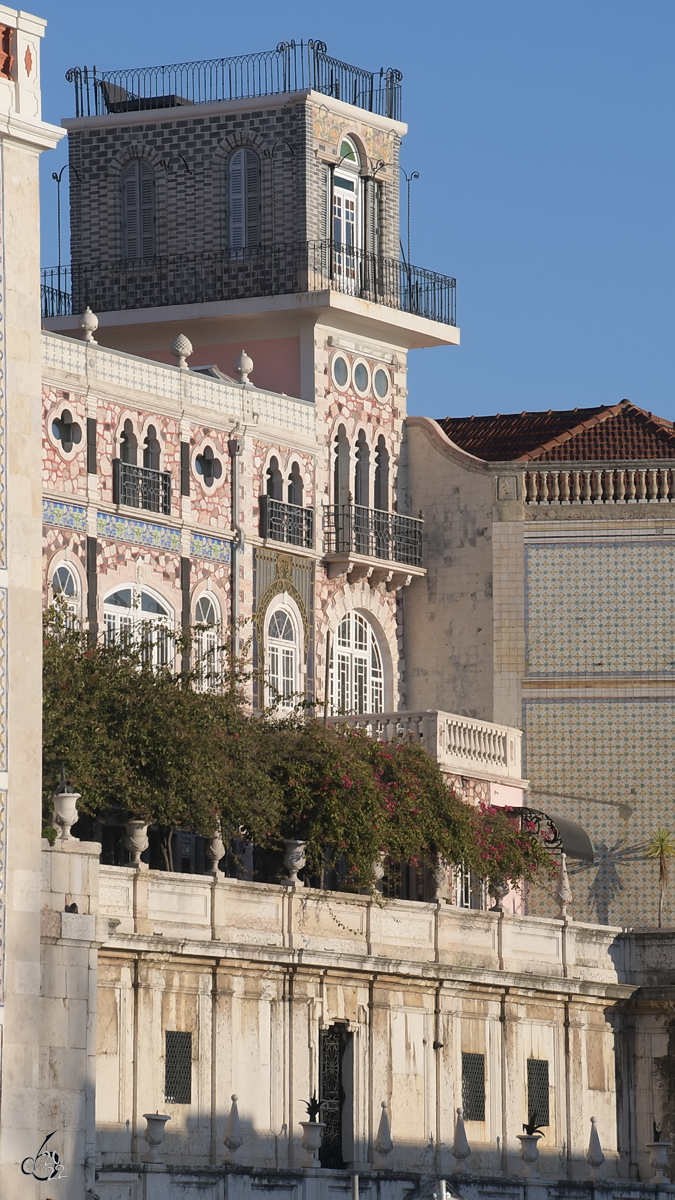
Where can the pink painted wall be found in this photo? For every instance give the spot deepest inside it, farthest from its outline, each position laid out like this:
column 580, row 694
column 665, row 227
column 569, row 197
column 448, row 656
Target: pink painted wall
column 276, row 362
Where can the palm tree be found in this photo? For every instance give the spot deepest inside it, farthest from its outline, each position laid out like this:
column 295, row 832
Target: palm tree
column 662, row 846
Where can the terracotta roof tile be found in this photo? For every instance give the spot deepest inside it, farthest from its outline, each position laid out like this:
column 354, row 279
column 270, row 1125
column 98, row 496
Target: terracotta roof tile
column 605, row 433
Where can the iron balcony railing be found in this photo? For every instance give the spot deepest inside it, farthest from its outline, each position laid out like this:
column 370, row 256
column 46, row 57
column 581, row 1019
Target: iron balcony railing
column 292, row 67
column 141, row 487
column 286, row 522
column 353, row 529
column 213, row 275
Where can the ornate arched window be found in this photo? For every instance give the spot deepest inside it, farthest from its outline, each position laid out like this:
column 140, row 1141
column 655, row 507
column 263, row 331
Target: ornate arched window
column 275, row 485
column 282, row 644
column 134, row 615
column 362, row 471
column 66, row 588
column 295, row 487
column 151, row 449
column 208, row 644
column 356, row 674
column 66, row 430
column 138, row 209
column 243, row 178
column 341, row 489
column 381, row 497
column 128, row 444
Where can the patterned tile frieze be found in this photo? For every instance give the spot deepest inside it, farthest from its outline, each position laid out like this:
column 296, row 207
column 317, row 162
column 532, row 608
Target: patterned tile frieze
column 216, row 549
column 126, row 529
column 68, row 516
column 607, row 764
column 600, row 608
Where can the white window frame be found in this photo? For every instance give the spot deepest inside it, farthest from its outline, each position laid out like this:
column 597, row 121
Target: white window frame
column 347, row 218
column 72, row 603
column 356, row 670
column 119, row 624
column 284, row 675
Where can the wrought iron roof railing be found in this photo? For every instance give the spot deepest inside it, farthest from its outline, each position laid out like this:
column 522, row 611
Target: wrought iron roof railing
column 211, row 275
column 292, row 67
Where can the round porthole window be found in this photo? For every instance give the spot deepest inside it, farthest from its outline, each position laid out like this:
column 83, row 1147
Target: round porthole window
column 381, row 381
column 340, row 371
column 361, row 377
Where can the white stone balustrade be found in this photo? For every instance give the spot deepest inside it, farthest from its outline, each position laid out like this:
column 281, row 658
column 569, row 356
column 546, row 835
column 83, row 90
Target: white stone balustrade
column 600, row 483
column 249, row 404
column 196, row 914
column 461, row 745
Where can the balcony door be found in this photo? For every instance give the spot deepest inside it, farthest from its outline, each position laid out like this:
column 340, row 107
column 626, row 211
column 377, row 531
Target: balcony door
column 347, row 217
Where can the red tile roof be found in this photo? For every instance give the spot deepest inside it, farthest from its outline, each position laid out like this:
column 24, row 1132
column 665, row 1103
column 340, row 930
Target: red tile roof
column 605, row 433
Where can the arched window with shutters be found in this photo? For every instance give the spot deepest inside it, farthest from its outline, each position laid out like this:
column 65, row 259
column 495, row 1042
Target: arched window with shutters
column 244, row 199
column 355, row 671
column 208, row 648
column 283, row 658
column 138, row 210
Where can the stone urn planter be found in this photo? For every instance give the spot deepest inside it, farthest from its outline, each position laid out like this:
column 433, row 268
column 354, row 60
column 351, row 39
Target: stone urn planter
column 136, row 842
column 65, row 814
column 294, row 860
column 529, row 1152
column 440, row 877
column 658, row 1160
column 312, row 1137
column 214, row 852
column 498, row 891
column 154, row 1133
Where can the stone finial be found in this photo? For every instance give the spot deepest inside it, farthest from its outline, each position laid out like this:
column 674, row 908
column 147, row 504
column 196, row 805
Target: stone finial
column 88, row 323
column 460, row 1147
column 232, row 1138
column 181, row 348
column 594, row 1156
column 244, row 366
column 383, row 1143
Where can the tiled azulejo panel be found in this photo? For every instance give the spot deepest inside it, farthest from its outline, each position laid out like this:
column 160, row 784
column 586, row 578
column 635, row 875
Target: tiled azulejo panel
column 126, row 529
column 68, row 516
column 608, row 765
column 600, row 608
column 216, row 549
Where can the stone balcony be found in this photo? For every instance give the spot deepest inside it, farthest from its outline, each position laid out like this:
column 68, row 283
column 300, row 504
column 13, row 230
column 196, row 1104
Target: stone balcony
column 462, row 746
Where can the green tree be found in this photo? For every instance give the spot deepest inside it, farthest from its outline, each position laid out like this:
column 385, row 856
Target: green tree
column 662, row 847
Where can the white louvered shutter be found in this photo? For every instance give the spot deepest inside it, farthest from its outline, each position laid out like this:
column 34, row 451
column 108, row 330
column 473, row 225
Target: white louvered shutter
column 244, row 195
column 236, row 196
column 130, row 210
column 252, row 199
column 146, row 190
column 372, row 232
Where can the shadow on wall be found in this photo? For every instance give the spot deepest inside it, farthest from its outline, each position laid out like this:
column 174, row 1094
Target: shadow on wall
column 410, row 1163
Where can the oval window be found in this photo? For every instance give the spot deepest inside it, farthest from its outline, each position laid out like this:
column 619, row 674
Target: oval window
column 361, row 377
column 381, row 383
column 340, row 372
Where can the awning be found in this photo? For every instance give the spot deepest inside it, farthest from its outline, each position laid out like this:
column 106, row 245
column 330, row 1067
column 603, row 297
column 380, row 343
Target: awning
column 560, row 833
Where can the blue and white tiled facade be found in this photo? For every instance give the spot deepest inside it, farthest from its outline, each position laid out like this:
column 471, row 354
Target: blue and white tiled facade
column 599, row 706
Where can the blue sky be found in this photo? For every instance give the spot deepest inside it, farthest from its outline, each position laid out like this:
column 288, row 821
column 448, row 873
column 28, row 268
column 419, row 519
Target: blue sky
column 543, row 134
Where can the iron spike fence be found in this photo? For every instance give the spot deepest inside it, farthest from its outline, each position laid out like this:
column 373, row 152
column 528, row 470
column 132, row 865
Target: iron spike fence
column 212, row 275
column 292, row 67
column 291, row 523
column 354, row 529
column 141, row 487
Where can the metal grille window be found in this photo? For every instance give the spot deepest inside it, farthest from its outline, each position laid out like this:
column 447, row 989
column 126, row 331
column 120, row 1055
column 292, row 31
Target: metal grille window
column 332, row 1044
column 473, row 1087
column 178, row 1067
column 537, row 1091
